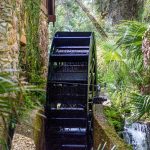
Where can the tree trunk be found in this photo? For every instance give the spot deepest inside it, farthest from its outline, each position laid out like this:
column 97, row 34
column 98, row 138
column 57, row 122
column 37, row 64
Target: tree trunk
column 146, row 48
column 118, row 10
column 93, row 19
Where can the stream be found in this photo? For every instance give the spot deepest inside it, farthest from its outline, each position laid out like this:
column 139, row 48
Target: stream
column 138, row 135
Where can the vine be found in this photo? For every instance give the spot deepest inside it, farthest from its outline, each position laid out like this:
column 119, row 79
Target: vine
column 33, row 63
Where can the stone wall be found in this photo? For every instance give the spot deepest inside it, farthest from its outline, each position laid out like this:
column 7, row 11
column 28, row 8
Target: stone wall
column 104, row 133
column 9, row 36
column 13, row 36
column 43, row 43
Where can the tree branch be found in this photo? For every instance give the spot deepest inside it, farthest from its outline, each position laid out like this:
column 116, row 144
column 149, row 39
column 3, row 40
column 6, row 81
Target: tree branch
column 93, row 19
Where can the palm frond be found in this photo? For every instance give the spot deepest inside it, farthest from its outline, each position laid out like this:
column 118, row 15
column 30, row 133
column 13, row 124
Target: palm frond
column 15, row 101
column 141, row 104
column 130, row 34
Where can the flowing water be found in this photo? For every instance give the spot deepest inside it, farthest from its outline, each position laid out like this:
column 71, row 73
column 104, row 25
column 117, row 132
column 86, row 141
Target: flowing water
column 138, row 135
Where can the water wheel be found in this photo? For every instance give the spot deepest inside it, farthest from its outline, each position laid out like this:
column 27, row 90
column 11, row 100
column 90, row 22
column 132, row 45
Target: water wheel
column 70, row 89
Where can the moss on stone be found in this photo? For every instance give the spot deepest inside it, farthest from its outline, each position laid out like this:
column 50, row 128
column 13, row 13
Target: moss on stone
column 114, row 118
column 39, row 137
column 104, row 132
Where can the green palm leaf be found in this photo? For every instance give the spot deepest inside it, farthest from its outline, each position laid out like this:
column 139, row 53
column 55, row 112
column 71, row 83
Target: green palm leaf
column 130, row 34
column 141, row 104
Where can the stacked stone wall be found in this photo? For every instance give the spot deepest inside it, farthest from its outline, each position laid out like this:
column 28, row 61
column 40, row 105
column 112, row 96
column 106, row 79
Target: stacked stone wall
column 9, row 36
column 13, row 36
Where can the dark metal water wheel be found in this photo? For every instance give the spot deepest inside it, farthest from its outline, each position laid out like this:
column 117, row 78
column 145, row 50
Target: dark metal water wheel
column 70, row 88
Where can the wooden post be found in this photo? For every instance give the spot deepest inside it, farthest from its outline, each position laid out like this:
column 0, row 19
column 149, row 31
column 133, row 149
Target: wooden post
column 51, row 11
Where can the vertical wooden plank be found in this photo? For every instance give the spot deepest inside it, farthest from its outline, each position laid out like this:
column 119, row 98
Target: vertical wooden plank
column 51, row 11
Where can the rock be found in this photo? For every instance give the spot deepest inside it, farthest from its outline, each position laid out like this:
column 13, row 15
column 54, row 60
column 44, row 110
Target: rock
column 2, row 30
column 148, row 124
column 4, row 24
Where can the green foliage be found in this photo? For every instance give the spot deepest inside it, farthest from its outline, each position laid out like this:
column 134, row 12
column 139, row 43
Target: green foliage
column 123, row 70
column 141, row 105
column 3, row 144
column 71, row 18
column 15, row 101
column 114, row 118
column 33, row 67
column 146, row 12
column 130, row 34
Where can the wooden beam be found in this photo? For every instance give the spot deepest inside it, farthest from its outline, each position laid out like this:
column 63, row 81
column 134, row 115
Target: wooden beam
column 51, row 11
column 51, row 18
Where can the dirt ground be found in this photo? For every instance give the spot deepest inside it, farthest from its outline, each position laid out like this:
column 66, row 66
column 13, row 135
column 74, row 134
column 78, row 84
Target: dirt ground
column 21, row 142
